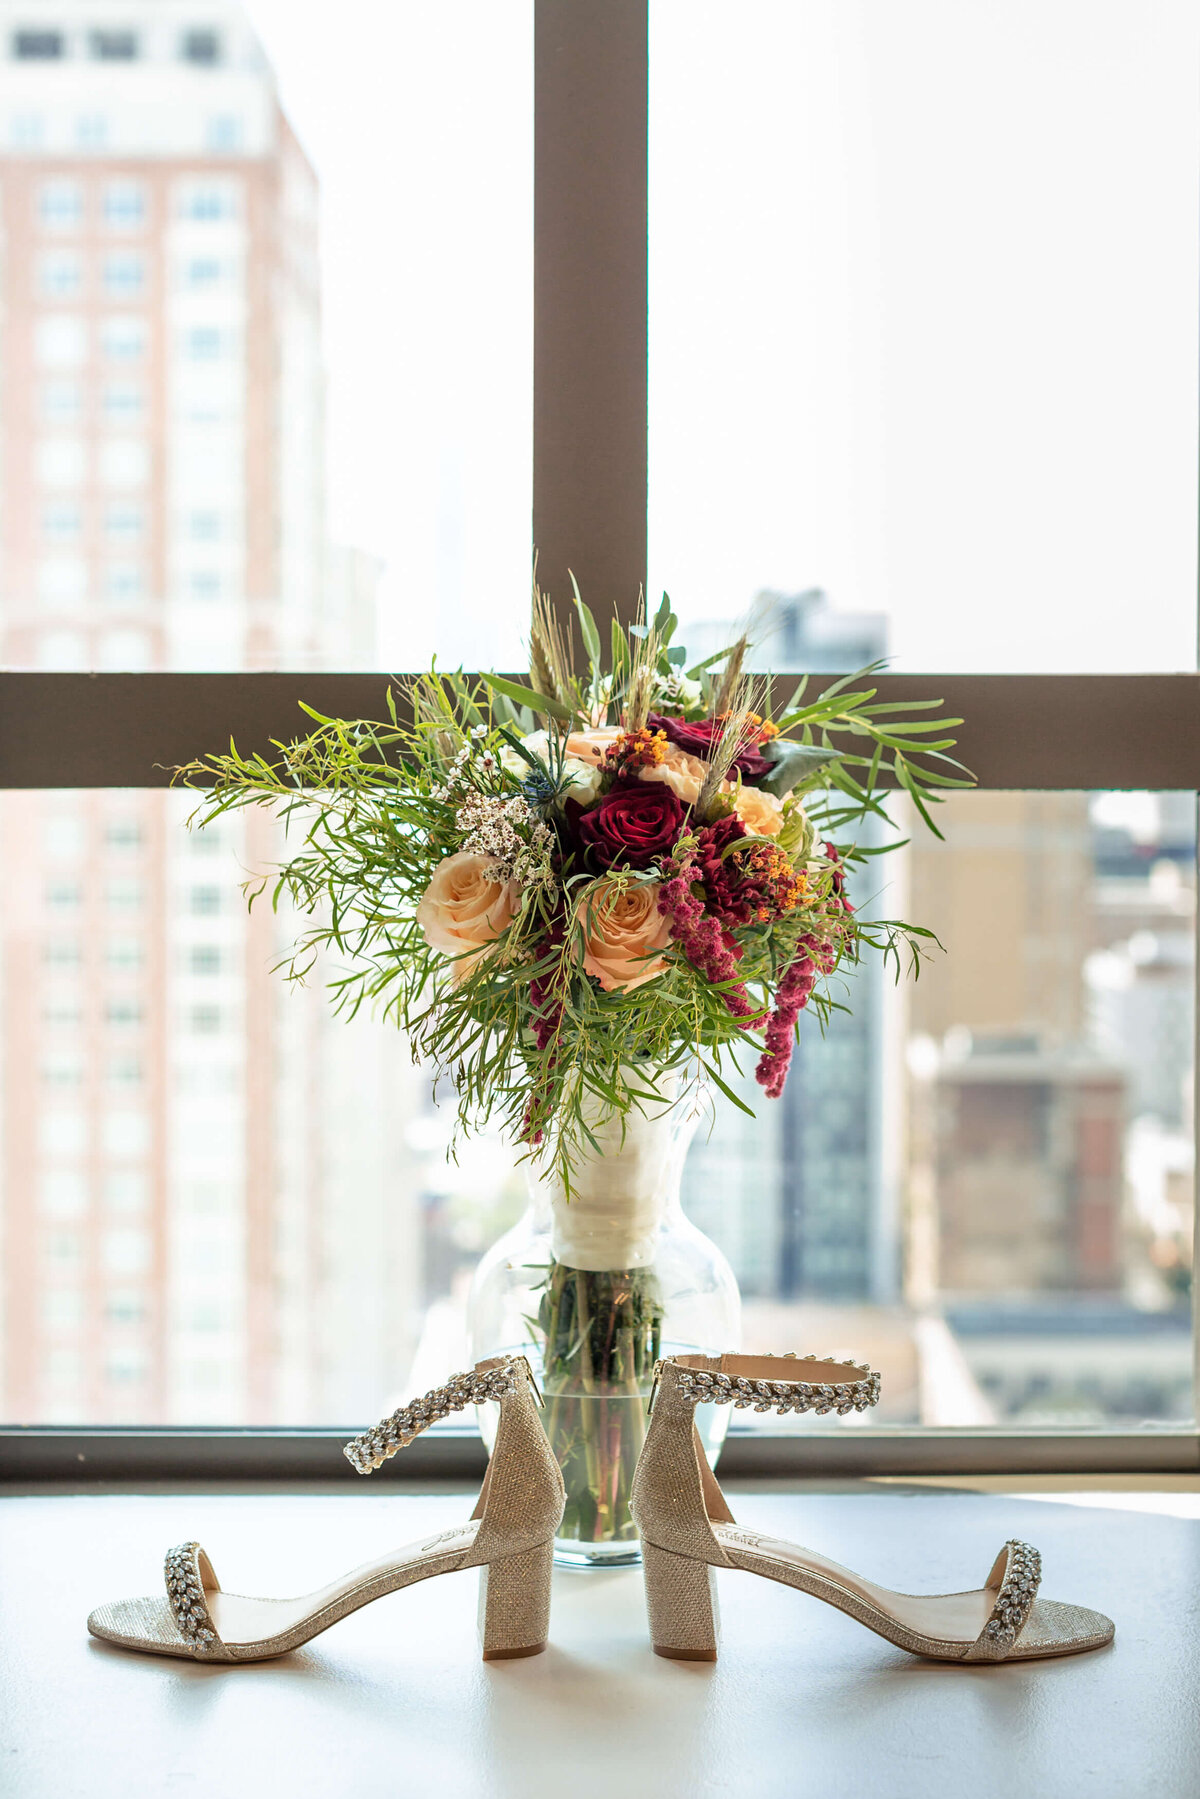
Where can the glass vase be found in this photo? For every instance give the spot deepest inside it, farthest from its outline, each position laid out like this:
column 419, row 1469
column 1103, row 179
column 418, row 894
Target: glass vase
column 594, row 1289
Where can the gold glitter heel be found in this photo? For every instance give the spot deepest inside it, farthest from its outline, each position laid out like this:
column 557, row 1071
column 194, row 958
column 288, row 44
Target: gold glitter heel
column 510, row 1538
column 688, row 1531
column 681, row 1599
column 514, row 1604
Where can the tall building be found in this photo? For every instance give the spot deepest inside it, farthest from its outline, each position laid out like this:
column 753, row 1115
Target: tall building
column 206, row 1206
column 804, row 1201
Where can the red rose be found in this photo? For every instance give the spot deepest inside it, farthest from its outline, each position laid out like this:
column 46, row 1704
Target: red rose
column 698, row 740
column 630, row 827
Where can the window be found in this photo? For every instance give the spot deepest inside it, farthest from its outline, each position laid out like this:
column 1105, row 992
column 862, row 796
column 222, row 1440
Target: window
column 122, row 403
column 124, row 952
column 124, row 274
column 61, row 402
column 124, row 835
column 203, row 272
column 124, row 205
column 38, row 46
column 123, row 339
column 60, row 341
column 204, row 527
column 122, row 1012
column 205, row 1021
column 125, row 1191
column 124, row 582
column 91, row 131
column 62, row 579
column 203, row 47
column 27, row 131
column 60, row 205
column 63, row 896
column 123, row 896
column 223, row 132
column 61, row 461
column 62, row 522
column 60, row 274
column 113, row 46
column 204, row 902
column 124, row 462
column 204, row 584
column 207, row 200
column 204, row 958
column 123, row 1071
column 204, row 343
column 62, row 953
column 123, row 521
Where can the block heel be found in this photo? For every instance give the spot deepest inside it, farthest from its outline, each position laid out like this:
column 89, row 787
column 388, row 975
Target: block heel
column 514, row 1604
column 681, row 1599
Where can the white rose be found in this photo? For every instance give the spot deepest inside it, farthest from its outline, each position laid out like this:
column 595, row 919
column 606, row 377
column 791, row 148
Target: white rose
column 583, row 778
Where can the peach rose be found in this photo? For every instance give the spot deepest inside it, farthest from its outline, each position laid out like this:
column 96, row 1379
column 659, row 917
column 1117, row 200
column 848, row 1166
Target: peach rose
column 621, row 930
column 760, row 812
column 683, row 774
column 464, row 907
column 590, row 745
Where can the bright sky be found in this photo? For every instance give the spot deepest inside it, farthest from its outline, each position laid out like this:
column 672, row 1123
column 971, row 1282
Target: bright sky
column 924, row 300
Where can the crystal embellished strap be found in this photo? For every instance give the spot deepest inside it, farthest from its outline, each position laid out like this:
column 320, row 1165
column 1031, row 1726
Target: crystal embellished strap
column 793, row 1394
column 1014, row 1601
column 185, row 1595
column 396, row 1432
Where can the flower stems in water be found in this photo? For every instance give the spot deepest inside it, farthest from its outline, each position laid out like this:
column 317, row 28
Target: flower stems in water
column 601, row 1336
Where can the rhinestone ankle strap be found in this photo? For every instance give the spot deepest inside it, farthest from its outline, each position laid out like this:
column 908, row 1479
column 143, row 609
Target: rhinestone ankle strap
column 699, row 1387
column 396, row 1432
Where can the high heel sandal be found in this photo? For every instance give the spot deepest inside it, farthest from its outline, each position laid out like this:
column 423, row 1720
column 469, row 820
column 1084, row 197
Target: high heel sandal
column 688, row 1530
column 510, row 1539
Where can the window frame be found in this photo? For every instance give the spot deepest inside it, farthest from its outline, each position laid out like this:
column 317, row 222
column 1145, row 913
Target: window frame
column 589, row 513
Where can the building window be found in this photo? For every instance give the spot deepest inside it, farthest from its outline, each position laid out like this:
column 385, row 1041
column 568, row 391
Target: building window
column 202, row 47
column 27, row 131
column 202, row 271
column 205, row 1021
column 60, row 205
column 203, row 343
column 223, row 132
column 122, row 1013
column 124, row 952
column 64, row 896
column 62, row 402
column 204, row 527
column 127, row 1252
column 124, row 582
column 127, row 652
column 63, row 1309
column 125, row 1191
column 62, row 953
column 62, row 1015
column 124, row 463
column 123, row 896
column 124, row 274
column 205, row 958
column 91, row 131
column 123, row 339
column 207, row 200
column 204, row 584
column 62, row 580
column 60, row 341
column 204, row 902
column 123, row 1071
column 123, row 523
column 113, row 46
column 122, row 403
column 38, row 46
column 124, row 205
column 124, row 1308
column 62, row 522
column 60, row 461
column 60, row 274
column 123, row 834
column 62, row 1069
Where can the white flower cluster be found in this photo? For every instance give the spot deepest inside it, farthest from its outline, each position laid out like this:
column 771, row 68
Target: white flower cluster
column 456, row 775
column 509, row 832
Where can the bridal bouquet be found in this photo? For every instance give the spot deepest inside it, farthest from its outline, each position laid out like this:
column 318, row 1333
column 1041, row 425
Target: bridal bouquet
column 576, row 894
column 564, row 891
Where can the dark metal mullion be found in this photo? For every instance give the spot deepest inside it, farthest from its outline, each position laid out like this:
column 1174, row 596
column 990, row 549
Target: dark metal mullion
column 1020, row 731
column 589, row 357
